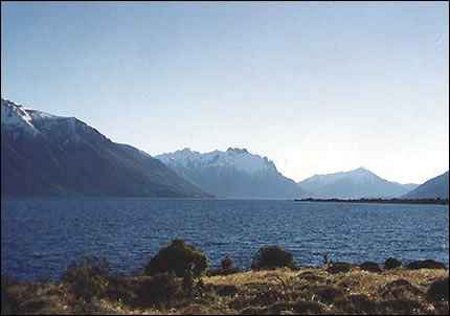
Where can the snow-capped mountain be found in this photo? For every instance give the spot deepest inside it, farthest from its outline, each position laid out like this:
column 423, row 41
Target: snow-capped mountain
column 240, row 159
column 436, row 187
column 44, row 154
column 234, row 173
column 354, row 184
column 16, row 118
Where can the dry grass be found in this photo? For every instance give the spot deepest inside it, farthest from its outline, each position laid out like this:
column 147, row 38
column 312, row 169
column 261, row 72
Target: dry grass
column 304, row 291
column 249, row 277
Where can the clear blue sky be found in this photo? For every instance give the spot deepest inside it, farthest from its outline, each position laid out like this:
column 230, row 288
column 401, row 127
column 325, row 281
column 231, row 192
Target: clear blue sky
column 316, row 87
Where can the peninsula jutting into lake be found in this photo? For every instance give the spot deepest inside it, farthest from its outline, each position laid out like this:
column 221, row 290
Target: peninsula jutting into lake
column 379, row 201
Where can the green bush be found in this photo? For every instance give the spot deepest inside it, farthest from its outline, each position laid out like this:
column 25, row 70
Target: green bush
column 87, row 278
column 178, row 257
column 272, row 257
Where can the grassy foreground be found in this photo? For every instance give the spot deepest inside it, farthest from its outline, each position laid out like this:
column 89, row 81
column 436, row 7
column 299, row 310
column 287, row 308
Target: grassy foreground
column 280, row 291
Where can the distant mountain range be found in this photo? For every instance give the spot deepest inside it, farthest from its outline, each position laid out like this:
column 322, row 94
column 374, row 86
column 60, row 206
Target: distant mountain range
column 434, row 188
column 354, row 184
column 48, row 155
column 234, row 173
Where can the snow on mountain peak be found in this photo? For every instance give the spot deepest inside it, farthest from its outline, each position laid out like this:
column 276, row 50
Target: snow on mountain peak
column 238, row 158
column 14, row 116
column 20, row 120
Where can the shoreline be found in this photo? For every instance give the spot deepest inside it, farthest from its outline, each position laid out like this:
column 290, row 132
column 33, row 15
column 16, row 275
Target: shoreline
column 179, row 280
column 213, row 270
column 379, row 201
column 304, row 291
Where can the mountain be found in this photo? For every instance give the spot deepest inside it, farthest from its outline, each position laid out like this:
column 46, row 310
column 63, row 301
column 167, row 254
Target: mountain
column 354, row 184
column 48, row 155
column 434, row 188
column 234, row 173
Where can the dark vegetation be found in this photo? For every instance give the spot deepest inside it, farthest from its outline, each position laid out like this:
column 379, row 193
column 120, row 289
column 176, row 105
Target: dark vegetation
column 87, row 278
column 370, row 266
column 425, row 264
column 179, row 258
column 272, row 257
column 226, row 267
column 339, row 267
column 392, row 263
column 176, row 281
column 438, row 290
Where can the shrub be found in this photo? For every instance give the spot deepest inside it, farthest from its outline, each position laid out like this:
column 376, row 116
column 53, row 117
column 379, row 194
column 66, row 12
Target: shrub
column 328, row 294
column 358, row 304
column 370, row 266
column 308, row 308
column 226, row 263
column 177, row 258
column 159, row 290
column 271, row 257
column 438, row 290
column 9, row 303
column 226, row 267
column 400, row 289
column 120, row 289
column 392, row 263
column 398, row 306
column 425, row 264
column 338, row 267
column 87, row 278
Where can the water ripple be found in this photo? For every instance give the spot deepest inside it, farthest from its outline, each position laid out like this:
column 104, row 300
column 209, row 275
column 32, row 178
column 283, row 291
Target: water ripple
column 41, row 236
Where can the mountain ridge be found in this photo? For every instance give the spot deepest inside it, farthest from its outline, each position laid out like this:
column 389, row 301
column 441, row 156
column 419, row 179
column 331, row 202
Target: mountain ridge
column 48, row 155
column 436, row 187
column 233, row 173
column 31, row 137
column 356, row 183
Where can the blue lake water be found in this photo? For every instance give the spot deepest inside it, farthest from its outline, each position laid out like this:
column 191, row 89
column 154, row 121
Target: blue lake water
column 40, row 237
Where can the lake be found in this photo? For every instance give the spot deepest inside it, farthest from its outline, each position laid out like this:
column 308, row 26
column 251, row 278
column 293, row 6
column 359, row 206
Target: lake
column 40, row 237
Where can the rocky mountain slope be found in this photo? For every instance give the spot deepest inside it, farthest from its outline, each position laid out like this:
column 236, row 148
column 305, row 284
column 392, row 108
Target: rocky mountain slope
column 434, row 188
column 48, row 155
column 234, row 173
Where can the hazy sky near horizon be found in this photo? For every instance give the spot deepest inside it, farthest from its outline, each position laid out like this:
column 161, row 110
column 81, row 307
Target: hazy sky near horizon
column 316, row 87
